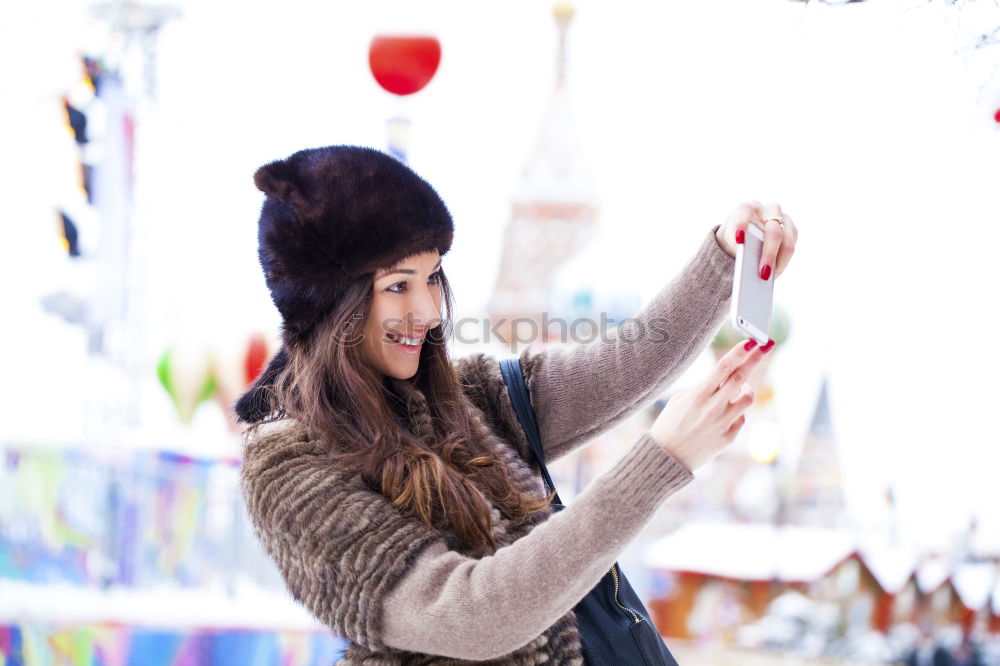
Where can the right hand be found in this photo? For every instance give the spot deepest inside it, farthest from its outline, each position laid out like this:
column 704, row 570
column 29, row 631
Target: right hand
column 697, row 423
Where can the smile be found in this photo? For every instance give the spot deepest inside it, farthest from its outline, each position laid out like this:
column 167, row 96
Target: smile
column 406, row 345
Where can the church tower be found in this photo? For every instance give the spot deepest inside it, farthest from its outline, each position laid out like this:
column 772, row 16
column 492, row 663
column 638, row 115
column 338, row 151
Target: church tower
column 553, row 211
column 815, row 491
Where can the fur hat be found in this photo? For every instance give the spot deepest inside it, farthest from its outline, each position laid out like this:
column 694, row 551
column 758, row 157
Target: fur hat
column 332, row 215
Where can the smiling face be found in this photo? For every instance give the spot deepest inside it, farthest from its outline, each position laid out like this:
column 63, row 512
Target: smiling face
column 406, row 303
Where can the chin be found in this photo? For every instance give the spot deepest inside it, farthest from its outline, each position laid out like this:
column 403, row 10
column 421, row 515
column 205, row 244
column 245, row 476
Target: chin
column 402, row 373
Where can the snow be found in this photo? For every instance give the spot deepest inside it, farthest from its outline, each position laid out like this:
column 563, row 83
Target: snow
column 249, row 608
column 891, row 564
column 974, row 582
column 932, row 573
column 744, row 551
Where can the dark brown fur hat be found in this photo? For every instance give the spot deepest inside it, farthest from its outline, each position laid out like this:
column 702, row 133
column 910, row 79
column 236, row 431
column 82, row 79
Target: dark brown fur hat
column 331, row 215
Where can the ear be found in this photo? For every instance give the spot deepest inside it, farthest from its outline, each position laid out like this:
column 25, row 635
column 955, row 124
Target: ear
column 279, row 179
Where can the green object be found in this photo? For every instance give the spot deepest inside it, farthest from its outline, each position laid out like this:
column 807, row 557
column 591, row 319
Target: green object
column 727, row 336
column 163, row 372
column 187, row 380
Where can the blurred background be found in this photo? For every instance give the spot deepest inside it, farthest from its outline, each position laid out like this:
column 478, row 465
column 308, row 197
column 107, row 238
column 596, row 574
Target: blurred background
column 585, row 149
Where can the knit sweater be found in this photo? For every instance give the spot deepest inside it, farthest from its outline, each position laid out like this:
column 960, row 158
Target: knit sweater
column 403, row 593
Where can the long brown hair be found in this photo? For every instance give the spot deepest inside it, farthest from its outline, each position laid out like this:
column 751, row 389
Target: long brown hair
column 426, row 469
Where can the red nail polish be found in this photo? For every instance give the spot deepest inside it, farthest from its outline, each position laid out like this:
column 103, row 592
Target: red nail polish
column 739, row 236
column 766, row 348
column 765, row 272
column 750, row 344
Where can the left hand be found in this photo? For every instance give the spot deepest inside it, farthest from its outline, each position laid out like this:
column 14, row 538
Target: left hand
column 779, row 239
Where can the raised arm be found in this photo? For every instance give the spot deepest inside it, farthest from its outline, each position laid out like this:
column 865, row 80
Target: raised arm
column 452, row 605
column 581, row 390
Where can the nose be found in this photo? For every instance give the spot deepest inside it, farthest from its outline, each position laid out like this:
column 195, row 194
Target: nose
column 424, row 310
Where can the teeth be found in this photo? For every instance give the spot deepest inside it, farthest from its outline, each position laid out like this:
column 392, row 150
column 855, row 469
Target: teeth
column 406, row 341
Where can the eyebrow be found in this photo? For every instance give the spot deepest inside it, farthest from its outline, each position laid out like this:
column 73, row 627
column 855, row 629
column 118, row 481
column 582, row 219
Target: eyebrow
column 410, row 271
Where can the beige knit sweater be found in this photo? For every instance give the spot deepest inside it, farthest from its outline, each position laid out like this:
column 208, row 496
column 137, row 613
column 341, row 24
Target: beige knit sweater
column 444, row 602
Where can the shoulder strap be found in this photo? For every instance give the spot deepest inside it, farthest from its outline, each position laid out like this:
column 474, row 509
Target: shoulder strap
column 520, row 398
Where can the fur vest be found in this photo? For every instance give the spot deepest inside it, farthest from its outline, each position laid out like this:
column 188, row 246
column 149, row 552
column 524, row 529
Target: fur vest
column 341, row 546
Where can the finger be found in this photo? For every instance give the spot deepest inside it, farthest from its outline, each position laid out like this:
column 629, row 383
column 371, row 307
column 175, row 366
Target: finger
column 746, row 391
column 772, row 241
column 735, row 428
column 790, row 235
column 741, row 402
column 730, row 362
column 742, row 215
column 730, row 389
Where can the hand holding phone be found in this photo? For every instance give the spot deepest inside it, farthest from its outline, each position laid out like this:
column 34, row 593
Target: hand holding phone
column 753, row 296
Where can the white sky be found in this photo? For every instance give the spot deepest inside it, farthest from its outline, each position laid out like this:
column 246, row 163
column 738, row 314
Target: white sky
column 865, row 121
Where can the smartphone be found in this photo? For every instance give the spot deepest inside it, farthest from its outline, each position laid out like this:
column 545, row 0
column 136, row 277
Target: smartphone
column 750, row 313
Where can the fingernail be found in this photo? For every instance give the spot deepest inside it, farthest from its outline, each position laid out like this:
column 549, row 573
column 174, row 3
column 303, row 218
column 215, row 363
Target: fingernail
column 750, row 344
column 739, row 236
column 766, row 348
column 765, row 272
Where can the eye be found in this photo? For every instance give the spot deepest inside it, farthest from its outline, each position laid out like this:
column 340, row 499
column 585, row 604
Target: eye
column 434, row 278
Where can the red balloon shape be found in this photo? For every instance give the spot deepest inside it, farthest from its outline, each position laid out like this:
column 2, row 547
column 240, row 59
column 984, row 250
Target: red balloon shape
column 256, row 358
column 404, row 64
column 996, row 116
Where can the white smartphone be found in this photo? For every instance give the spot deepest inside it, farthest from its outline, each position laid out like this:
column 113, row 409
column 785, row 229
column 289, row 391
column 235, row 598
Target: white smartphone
column 750, row 313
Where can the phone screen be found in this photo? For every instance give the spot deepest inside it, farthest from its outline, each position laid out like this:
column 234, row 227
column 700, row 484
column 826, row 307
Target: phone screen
column 753, row 296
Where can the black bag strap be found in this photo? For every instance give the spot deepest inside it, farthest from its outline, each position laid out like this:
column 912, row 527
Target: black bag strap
column 520, row 398
column 593, row 611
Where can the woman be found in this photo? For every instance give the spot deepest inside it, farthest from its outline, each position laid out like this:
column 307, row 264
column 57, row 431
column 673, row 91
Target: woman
column 390, row 484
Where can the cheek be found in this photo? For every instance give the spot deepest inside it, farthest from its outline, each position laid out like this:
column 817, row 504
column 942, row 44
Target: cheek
column 373, row 330
column 371, row 339
column 381, row 319
column 371, row 326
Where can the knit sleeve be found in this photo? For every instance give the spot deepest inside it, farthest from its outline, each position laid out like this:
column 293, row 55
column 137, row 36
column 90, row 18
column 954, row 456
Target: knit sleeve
column 581, row 390
column 465, row 608
column 339, row 548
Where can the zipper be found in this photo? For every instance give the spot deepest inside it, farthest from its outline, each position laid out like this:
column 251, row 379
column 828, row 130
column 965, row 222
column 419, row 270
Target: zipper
column 614, row 574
